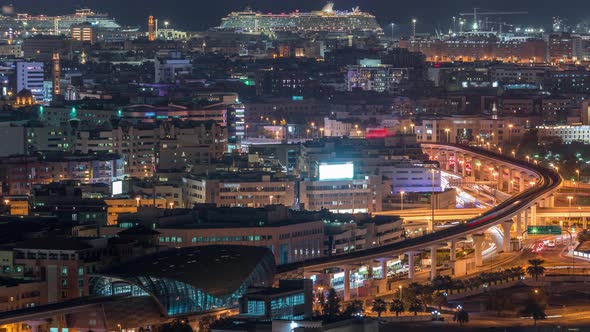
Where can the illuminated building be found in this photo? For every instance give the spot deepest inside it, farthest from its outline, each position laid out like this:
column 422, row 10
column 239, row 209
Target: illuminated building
column 479, row 48
column 236, row 122
column 371, row 75
column 21, row 173
column 29, row 76
column 567, row 133
column 326, row 20
column 482, row 129
column 151, row 29
column 64, row 264
column 191, row 280
column 339, row 189
column 170, row 70
column 343, row 236
column 55, row 72
column 292, row 300
column 84, row 32
column 238, row 190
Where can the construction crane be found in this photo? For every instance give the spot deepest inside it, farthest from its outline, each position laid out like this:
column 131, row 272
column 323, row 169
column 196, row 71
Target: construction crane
column 487, row 12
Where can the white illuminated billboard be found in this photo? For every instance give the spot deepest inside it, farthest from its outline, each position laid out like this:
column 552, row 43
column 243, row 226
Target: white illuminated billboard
column 117, row 188
column 336, row 171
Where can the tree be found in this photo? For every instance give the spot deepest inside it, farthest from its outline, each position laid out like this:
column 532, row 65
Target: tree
column 536, row 268
column 180, row 325
column 354, row 308
column 461, row 317
column 438, row 299
column 415, row 306
column 515, row 273
column 535, row 307
column 396, row 306
column 379, row 306
column 584, row 236
column 332, row 304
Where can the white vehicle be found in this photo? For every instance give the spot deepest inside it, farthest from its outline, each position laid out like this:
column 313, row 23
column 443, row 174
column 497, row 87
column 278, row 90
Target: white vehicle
column 551, row 243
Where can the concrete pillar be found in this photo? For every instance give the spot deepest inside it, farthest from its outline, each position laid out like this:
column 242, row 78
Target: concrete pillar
column 463, row 165
column 452, row 251
column 383, row 262
column 521, row 184
column 478, row 247
column 433, row 262
column 519, row 224
column 346, row 283
column 550, row 201
column 34, row 324
column 456, row 164
column 526, row 224
column 533, row 215
column 411, row 264
column 506, row 226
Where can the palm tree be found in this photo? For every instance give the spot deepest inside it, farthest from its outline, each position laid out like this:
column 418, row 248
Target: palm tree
column 379, row 306
column 534, row 308
column 354, row 308
column 461, row 317
column 517, row 272
column 536, row 268
column 396, row 306
column 415, row 306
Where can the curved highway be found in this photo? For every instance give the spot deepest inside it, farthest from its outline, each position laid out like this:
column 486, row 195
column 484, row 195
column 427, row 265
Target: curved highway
column 549, row 181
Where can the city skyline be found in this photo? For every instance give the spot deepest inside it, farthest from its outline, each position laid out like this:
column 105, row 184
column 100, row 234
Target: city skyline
column 430, row 14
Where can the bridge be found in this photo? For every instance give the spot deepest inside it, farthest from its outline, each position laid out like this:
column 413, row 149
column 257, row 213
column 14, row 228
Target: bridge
column 468, row 213
column 534, row 187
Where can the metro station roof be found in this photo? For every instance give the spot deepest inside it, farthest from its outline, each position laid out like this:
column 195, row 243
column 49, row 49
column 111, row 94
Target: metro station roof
column 218, row 270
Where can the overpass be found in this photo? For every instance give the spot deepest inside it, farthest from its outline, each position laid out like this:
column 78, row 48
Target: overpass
column 468, row 213
column 534, row 185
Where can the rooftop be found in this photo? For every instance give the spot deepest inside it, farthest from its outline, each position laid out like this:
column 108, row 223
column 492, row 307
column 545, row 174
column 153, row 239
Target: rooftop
column 217, row 270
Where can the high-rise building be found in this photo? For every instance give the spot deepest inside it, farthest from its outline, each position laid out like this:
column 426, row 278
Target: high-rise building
column 151, row 29
column 56, row 70
column 29, row 76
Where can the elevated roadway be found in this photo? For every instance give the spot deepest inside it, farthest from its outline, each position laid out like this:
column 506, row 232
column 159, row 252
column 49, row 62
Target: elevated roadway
column 546, row 182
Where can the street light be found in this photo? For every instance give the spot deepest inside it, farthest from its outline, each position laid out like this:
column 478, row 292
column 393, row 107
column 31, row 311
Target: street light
column 401, row 193
column 569, row 208
column 400, row 290
column 392, row 27
column 431, row 226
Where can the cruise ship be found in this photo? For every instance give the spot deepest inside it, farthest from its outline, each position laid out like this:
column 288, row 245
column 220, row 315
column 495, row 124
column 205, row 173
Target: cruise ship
column 59, row 23
column 325, row 20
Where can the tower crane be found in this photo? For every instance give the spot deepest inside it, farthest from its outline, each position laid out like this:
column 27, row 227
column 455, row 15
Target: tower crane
column 487, row 12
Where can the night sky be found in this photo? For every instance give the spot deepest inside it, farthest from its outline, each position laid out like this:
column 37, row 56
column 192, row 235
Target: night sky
column 201, row 14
